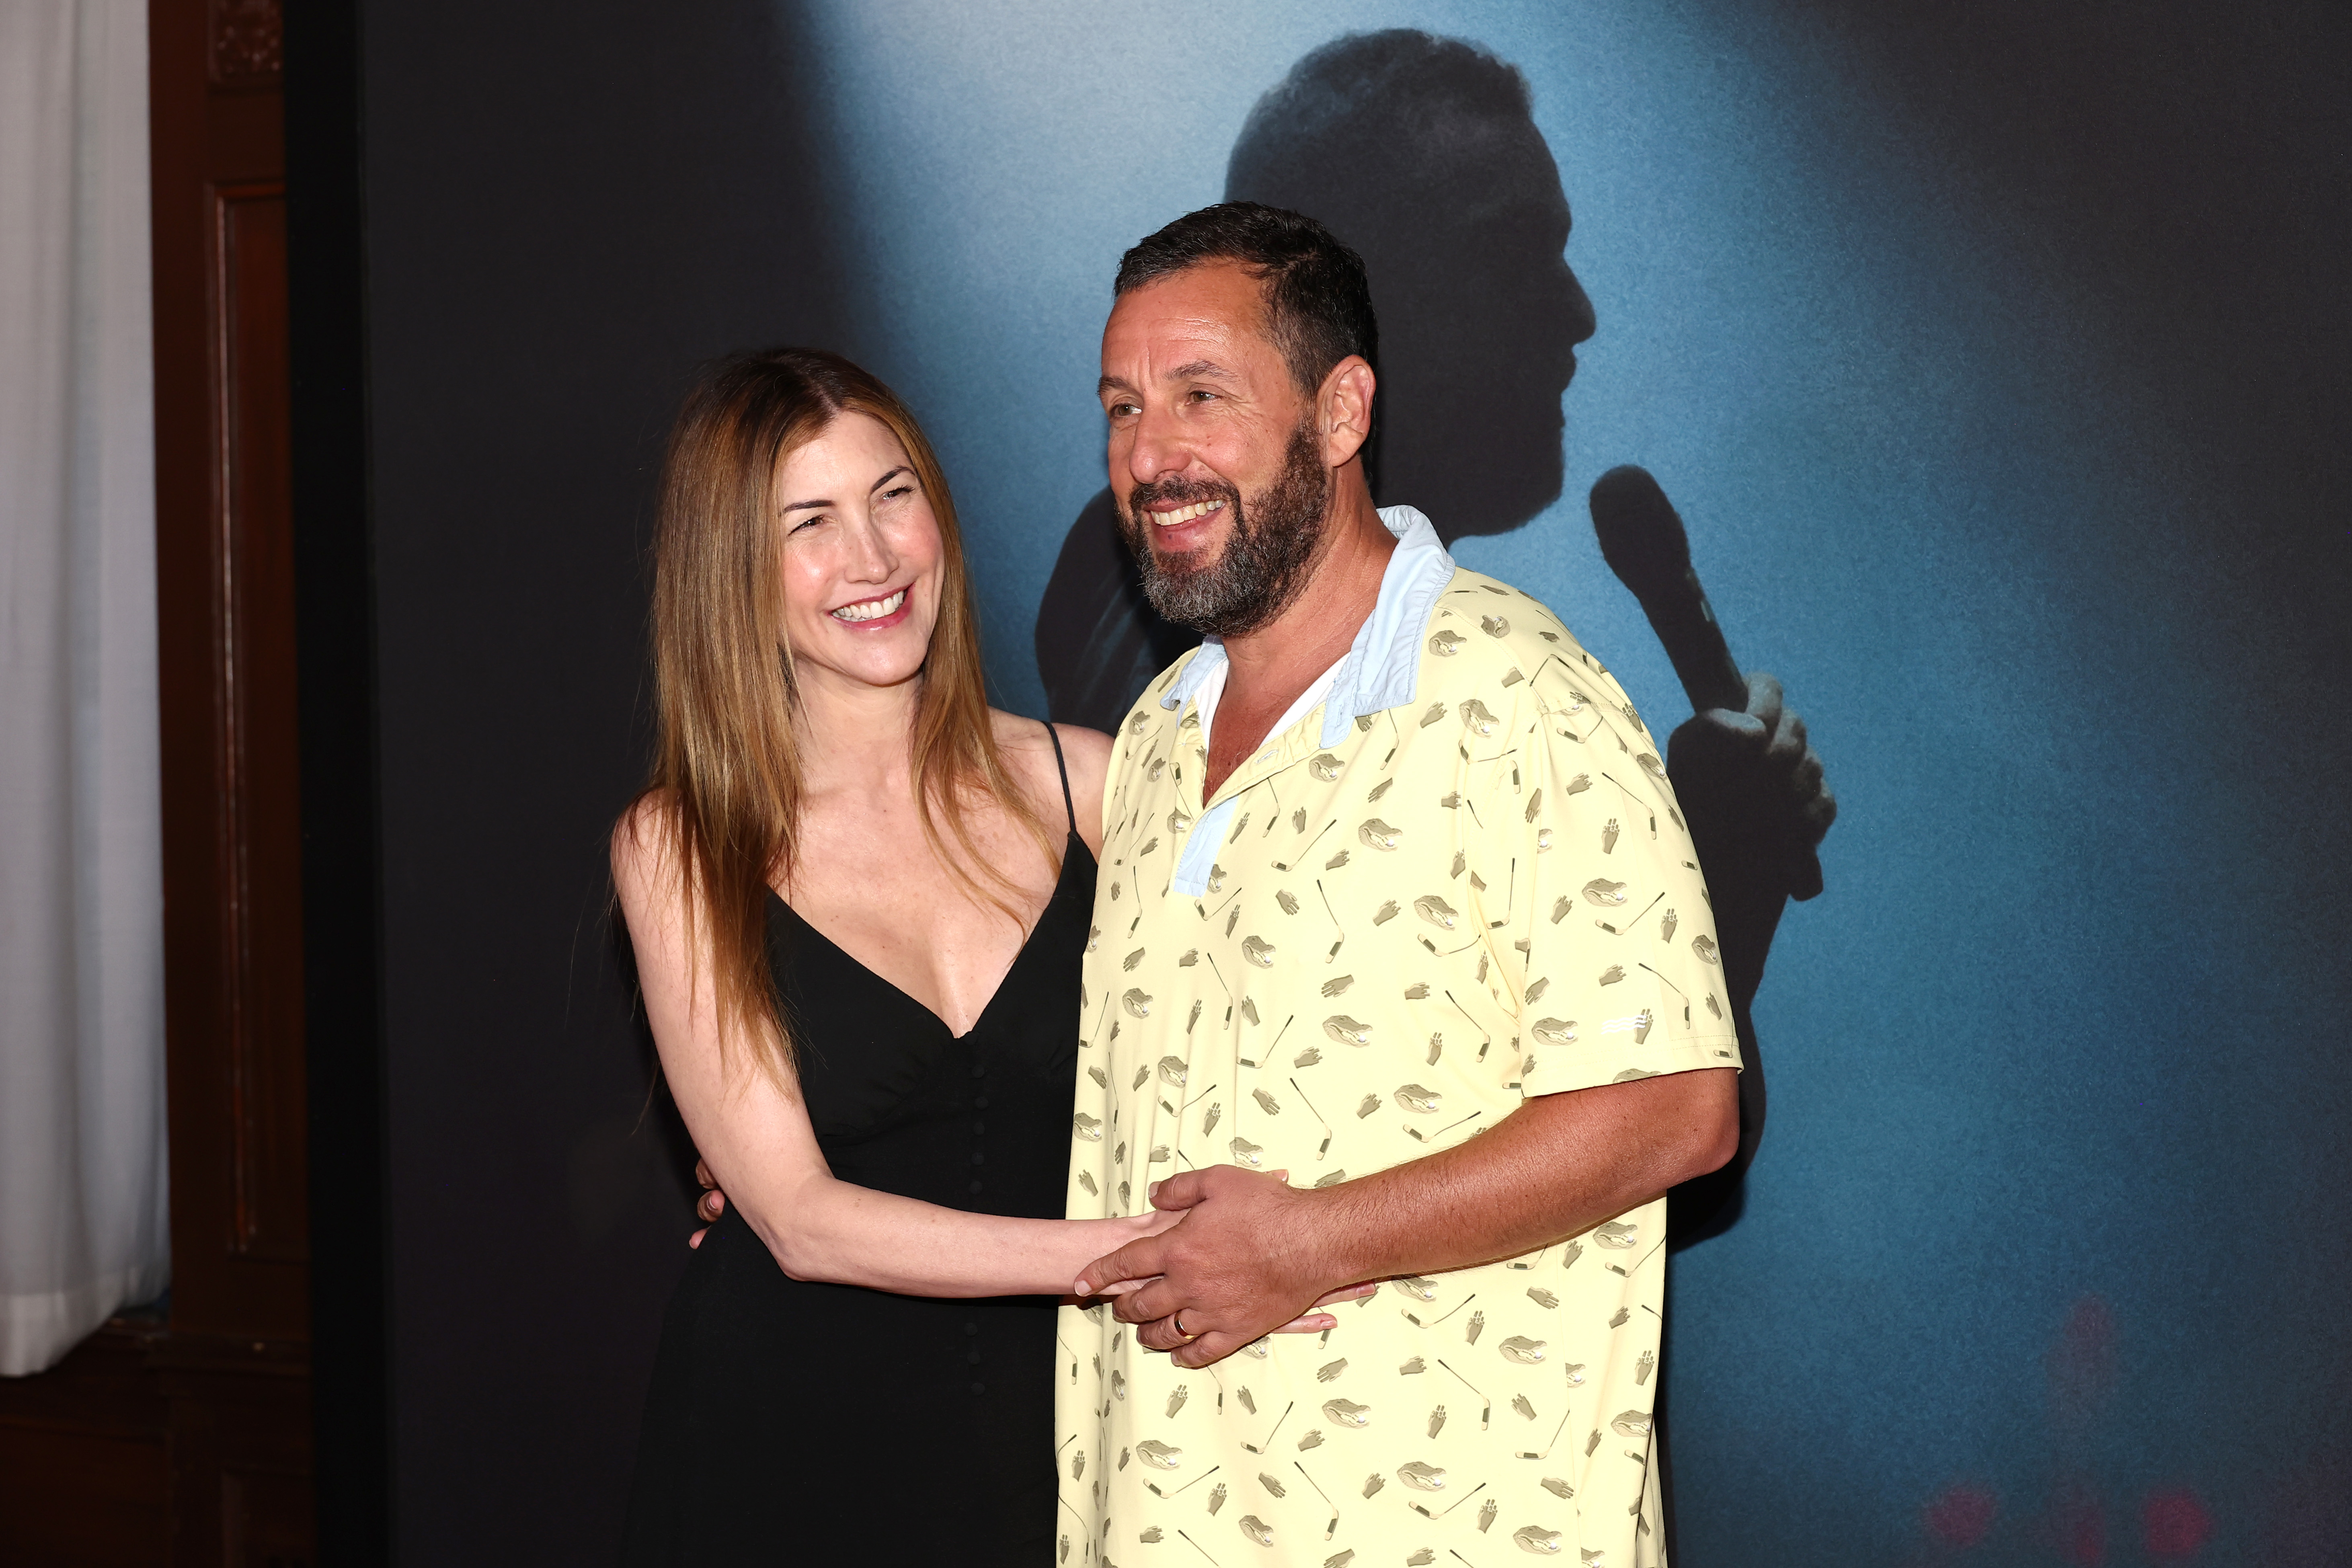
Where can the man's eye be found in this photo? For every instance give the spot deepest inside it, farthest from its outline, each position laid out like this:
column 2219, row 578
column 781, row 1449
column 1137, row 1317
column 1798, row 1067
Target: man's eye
column 1200, row 395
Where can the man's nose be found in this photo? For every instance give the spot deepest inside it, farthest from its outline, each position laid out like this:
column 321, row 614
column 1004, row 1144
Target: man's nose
column 1580, row 319
column 1159, row 449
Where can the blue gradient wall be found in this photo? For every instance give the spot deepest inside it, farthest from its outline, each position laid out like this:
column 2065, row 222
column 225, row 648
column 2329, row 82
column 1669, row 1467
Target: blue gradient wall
column 2044, row 1248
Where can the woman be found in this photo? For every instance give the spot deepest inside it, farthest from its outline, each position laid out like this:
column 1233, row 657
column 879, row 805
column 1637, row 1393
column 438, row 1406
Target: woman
column 858, row 933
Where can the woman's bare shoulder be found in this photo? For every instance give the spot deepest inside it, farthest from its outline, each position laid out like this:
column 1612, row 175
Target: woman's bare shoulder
column 1026, row 738
column 1089, row 753
column 1023, row 742
column 641, row 837
column 1086, row 753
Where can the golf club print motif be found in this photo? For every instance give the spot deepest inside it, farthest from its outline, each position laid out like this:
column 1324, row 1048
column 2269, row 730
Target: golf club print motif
column 1399, row 931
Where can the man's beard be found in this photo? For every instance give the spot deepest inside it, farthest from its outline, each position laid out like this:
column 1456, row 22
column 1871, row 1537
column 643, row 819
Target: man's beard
column 1267, row 549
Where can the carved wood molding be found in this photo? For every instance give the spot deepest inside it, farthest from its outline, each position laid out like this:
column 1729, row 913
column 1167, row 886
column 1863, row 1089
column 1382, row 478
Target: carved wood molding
column 257, row 808
column 247, row 42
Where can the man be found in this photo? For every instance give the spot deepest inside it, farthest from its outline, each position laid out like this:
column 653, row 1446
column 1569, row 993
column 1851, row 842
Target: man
column 1402, row 970
column 1422, row 155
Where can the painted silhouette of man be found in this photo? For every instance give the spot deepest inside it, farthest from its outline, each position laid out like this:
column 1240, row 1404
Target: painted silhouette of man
column 1422, row 155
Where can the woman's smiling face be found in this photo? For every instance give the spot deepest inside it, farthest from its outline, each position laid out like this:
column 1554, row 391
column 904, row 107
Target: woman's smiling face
column 860, row 556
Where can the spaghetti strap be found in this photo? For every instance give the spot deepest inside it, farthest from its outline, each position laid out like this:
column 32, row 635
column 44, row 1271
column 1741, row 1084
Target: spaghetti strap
column 1064, row 769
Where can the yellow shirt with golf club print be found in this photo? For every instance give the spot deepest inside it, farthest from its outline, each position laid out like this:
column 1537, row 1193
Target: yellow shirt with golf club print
column 1460, row 880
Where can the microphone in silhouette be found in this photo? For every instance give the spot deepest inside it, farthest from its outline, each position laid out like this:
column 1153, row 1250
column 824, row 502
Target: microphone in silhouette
column 1643, row 539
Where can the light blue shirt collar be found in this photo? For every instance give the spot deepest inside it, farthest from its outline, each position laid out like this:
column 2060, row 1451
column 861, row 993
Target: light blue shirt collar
column 1383, row 664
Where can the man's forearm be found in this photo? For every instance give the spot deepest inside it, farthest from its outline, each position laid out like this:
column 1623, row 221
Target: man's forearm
column 1252, row 1250
column 1556, row 1167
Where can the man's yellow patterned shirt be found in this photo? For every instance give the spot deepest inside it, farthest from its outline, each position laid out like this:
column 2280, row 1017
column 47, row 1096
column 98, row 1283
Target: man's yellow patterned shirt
column 1460, row 881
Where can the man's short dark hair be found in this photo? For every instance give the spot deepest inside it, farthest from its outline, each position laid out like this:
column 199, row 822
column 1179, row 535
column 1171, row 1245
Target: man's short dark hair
column 1318, row 306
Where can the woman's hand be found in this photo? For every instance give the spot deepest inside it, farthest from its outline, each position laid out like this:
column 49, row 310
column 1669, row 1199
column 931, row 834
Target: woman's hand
column 713, row 1203
column 1151, row 1222
column 1315, row 1322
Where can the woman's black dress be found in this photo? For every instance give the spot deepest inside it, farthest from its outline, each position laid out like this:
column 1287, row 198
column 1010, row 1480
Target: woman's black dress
column 792, row 1422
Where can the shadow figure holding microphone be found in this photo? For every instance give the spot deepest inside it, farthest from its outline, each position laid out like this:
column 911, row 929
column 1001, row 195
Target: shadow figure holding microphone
column 1750, row 786
column 1421, row 152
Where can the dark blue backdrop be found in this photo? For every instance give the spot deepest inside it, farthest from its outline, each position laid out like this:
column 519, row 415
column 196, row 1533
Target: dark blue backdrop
column 1996, row 356
column 2007, row 495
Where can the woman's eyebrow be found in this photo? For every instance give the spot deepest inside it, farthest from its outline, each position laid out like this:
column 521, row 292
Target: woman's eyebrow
column 819, row 505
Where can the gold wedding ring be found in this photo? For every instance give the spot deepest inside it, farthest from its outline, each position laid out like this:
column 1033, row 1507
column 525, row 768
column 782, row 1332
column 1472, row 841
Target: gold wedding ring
column 1177, row 1319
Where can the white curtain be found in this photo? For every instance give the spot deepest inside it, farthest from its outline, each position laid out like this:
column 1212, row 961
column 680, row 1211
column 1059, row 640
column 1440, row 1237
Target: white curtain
column 84, row 1222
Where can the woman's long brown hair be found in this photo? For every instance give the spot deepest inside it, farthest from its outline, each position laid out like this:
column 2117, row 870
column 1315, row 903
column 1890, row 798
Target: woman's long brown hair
column 725, row 797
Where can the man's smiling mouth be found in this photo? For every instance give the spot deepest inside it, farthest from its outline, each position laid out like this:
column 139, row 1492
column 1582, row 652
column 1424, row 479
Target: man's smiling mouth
column 1184, row 514
column 871, row 610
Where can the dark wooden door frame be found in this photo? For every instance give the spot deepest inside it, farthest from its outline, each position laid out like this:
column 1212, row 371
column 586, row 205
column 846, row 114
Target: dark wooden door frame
column 194, row 1439
column 231, row 1365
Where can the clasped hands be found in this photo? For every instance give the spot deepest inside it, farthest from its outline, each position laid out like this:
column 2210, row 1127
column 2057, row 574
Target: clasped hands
column 1252, row 1255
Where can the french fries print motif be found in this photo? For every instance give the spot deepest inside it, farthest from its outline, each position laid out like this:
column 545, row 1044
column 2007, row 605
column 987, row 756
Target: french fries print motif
column 1412, row 908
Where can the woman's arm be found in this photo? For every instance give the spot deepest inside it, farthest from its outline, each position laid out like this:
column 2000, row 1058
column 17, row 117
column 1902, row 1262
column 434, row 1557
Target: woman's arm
column 755, row 1135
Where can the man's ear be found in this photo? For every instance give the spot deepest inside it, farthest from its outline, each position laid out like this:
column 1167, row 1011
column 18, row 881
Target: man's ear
column 1343, row 410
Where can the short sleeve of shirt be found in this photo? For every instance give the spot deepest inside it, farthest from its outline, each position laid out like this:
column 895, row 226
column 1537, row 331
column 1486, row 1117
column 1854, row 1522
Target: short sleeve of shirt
column 1621, row 976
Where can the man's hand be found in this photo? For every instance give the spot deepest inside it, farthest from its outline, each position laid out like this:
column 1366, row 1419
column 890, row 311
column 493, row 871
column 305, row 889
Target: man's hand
column 709, row 1206
column 713, row 1203
column 1753, row 791
column 1749, row 782
column 1252, row 1252
column 1245, row 1262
